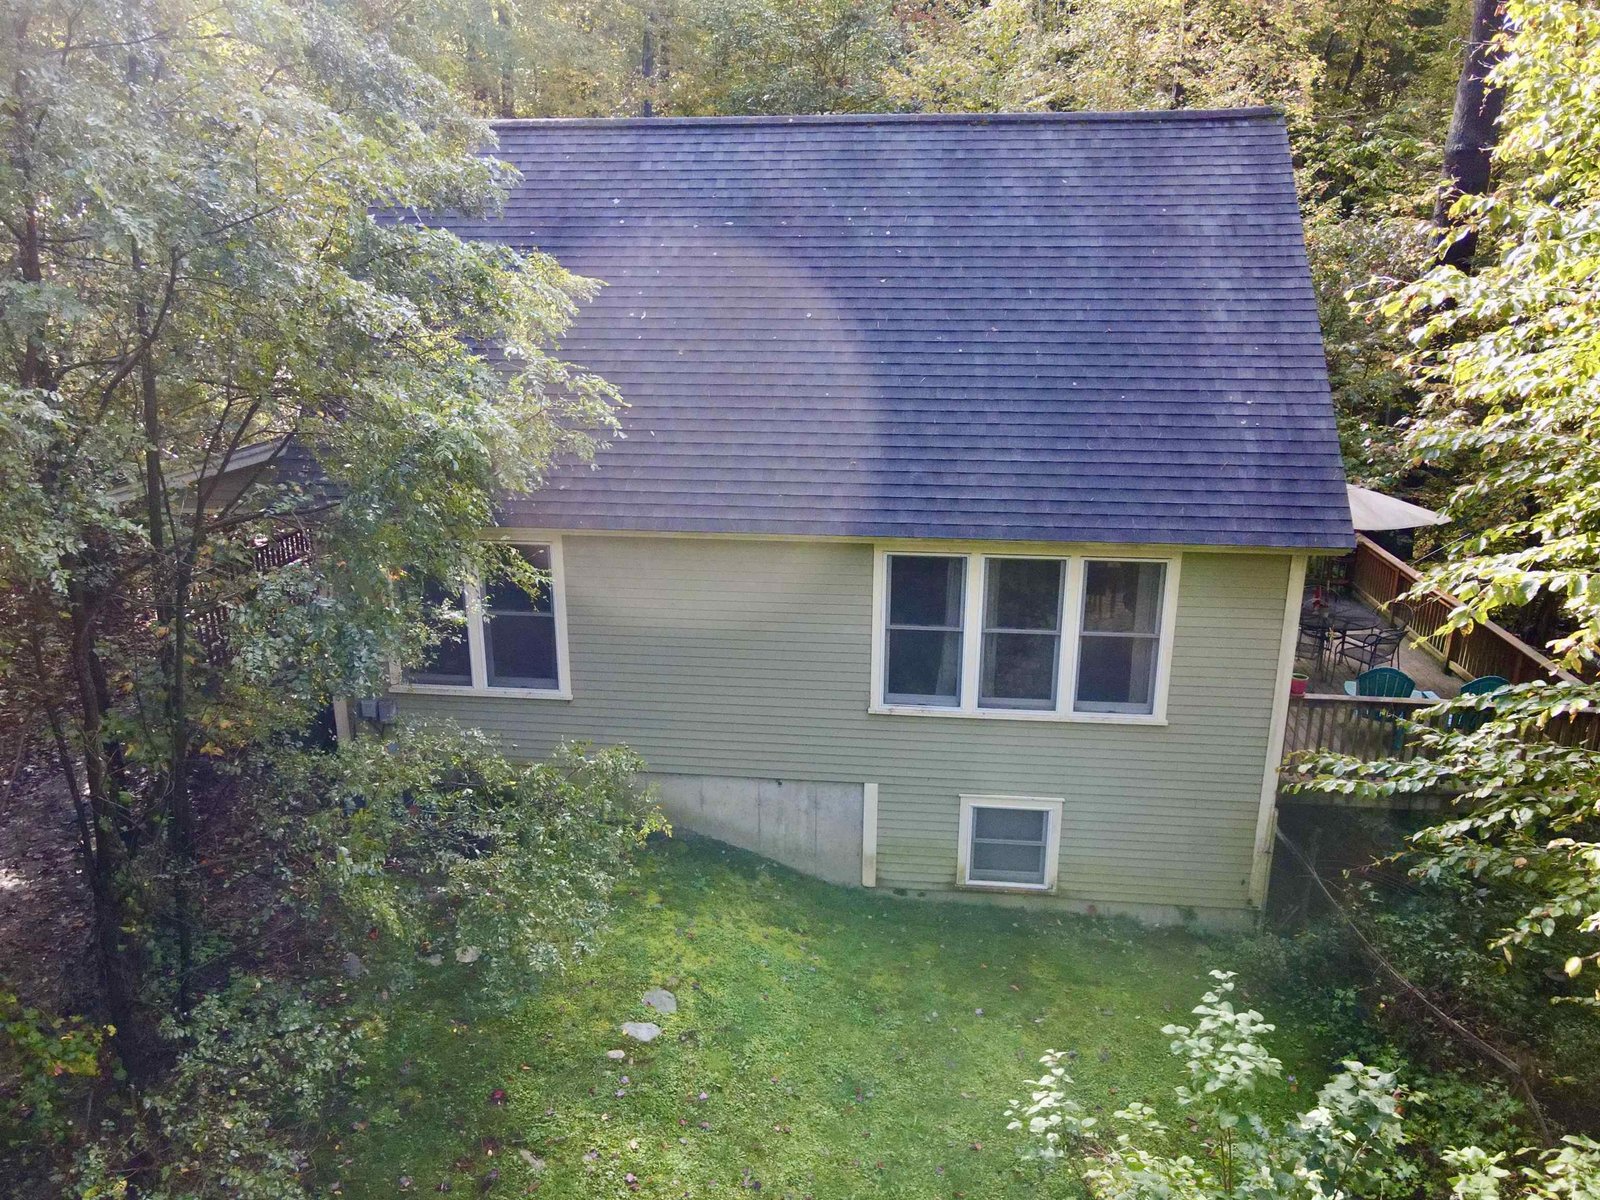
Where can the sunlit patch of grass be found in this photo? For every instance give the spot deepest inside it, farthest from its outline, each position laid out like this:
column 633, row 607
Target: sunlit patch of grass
column 828, row 1042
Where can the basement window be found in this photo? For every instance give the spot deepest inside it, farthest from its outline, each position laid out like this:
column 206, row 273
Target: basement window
column 1009, row 842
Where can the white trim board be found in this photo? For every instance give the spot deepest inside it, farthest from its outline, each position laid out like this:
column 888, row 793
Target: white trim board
column 1266, row 815
column 946, row 545
column 869, row 834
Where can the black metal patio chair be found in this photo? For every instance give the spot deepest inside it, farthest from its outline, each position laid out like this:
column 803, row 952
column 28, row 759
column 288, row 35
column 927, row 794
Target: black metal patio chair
column 1375, row 649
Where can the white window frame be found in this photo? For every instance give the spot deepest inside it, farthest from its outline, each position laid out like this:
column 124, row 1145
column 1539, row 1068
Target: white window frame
column 1050, row 805
column 972, row 615
column 477, row 643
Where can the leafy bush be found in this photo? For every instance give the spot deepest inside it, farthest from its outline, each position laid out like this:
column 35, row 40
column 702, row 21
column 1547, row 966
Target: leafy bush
column 1570, row 1171
column 40, row 1054
column 427, row 851
column 433, row 850
column 1342, row 1147
column 261, row 1064
column 1346, row 1146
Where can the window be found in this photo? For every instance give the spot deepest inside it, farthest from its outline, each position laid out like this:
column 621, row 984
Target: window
column 1021, row 632
column 448, row 660
column 1009, row 842
column 926, row 596
column 501, row 639
column 1023, row 636
column 1121, row 637
column 519, row 630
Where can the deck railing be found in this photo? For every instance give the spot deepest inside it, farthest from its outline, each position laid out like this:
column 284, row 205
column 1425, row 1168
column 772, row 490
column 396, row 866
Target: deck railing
column 1367, row 727
column 1485, row 649
column 210, row 618
column 1372, row 727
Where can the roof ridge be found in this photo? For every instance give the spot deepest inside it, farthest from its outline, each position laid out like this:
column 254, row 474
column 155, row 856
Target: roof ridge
column 1255, row 113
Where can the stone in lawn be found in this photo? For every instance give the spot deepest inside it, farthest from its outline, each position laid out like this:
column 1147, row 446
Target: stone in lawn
column 535, row 1163
column 661, row 1000
column 616, row 1055
column 354, row 967
column 641, row 1031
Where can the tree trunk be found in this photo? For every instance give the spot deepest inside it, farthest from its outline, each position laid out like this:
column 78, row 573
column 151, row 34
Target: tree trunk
column 116, row 955
column 647, row 62
column 1474, row 129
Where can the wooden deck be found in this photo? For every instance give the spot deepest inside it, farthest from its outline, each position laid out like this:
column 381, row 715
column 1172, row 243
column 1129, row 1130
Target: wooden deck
column 1426, row 671
column 1326, row 719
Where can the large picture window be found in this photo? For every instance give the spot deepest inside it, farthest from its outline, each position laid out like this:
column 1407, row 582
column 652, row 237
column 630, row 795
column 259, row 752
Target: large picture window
column 501, row 640
column 1023, row 636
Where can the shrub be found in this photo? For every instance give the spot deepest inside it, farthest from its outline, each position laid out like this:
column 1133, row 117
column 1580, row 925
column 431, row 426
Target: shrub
column 1342, row 1147
column 41, row 1056
column 433, row 851
column 260, row 1065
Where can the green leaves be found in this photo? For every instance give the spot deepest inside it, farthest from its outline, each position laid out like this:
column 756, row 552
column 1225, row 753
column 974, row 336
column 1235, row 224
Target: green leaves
column 432, row 845
column 1341, row 1147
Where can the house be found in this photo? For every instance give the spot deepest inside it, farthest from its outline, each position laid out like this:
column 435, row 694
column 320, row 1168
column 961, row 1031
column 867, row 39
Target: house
column 955, row 540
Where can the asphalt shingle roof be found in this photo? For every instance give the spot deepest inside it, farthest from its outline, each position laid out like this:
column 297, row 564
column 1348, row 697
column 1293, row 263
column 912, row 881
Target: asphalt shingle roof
column 1069, row 327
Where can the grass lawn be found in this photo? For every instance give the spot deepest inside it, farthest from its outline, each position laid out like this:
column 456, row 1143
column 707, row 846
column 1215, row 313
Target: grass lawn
column 828, row 1043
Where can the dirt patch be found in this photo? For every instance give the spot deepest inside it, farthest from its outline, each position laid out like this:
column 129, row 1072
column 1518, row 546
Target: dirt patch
column 44, row 926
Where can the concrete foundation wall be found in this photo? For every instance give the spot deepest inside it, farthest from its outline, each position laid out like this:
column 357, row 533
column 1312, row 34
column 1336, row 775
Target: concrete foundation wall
column 808, row 825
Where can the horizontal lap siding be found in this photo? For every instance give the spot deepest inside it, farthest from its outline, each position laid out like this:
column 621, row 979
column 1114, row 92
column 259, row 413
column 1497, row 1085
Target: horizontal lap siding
column 751, row 658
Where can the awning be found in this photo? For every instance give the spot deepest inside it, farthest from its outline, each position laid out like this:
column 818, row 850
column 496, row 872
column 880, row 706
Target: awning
column 1371, row 511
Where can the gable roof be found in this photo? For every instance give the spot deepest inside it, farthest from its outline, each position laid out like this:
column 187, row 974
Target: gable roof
column 1063, row 327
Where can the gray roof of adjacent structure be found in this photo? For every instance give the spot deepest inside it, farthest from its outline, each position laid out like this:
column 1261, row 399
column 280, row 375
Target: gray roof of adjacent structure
column 1062, row 327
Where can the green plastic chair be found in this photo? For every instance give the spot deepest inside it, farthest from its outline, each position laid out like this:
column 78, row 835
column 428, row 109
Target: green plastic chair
column 1470, row 719
column 1389, row 683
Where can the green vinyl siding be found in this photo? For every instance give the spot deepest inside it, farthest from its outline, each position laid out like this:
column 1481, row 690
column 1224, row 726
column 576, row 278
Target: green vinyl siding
column 748, row 658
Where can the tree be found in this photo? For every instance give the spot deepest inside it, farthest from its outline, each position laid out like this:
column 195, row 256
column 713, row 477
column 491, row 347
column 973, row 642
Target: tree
column 993, row 57
column 1508, row 359
column 195, row 267
column 1469, row 147
column 530, row 58
column 1191, row 53
column 765, row 56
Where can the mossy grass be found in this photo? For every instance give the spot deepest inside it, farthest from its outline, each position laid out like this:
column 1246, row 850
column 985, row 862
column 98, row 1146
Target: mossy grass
column 829, row 1042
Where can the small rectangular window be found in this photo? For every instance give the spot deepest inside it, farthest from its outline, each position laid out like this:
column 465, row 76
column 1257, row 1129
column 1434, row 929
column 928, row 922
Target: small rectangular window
column 1021, row 632
column 448, row 660
column 1009, row 841
column 1120, row 640
column 519, row 629
column 924, row 629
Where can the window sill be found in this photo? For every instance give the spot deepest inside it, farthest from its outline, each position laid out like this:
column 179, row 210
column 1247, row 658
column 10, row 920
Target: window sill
column 1031, row 889
column 1015, row 714
column 466, row 689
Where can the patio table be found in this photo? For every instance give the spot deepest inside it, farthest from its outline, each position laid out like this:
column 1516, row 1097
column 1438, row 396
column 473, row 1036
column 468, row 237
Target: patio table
column 1335, row 615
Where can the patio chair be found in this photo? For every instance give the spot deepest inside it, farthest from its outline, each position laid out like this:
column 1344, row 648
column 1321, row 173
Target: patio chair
column 1371, row 650
column 1388, row 683
column 1469, row 719
column 1312, row 644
